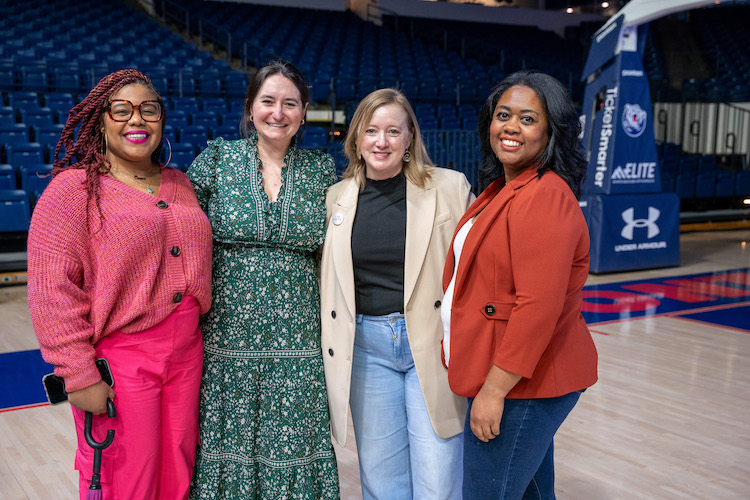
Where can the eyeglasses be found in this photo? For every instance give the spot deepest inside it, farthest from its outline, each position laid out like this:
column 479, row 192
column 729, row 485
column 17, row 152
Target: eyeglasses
column 121, row 110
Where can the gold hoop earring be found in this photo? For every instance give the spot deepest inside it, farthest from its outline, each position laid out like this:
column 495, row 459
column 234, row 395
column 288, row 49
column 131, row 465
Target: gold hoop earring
column 104, row 145
column 302, row 122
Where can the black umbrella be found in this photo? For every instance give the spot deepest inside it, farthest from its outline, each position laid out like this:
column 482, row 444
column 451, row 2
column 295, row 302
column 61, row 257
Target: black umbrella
column 95, row 490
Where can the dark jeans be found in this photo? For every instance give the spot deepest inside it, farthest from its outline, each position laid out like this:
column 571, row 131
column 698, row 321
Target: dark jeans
column 518, row 463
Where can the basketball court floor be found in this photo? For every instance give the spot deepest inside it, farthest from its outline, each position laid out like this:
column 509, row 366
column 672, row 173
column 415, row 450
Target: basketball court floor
column 668, row 419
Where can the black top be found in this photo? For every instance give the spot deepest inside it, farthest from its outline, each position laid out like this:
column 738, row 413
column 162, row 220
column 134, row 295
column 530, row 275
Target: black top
column 378, row 246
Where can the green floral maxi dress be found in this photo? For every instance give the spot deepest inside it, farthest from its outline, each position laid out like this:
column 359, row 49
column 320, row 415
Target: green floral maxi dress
column 264, row 429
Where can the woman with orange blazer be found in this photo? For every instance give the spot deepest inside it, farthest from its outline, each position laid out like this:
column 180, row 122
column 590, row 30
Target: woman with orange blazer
column 516, row 344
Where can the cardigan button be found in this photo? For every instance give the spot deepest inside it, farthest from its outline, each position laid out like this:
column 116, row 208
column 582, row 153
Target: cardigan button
column 162, row 204
column 330, row 352
column 437, row 304
column 177, row 298
column 333, row 314
column 489, row 309
column 175, row 251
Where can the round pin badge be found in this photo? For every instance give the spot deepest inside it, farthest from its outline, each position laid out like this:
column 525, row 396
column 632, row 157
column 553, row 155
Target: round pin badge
column 337, row 219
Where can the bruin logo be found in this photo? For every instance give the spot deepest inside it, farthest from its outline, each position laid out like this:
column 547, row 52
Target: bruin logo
column 631, row 223
column 633, row 119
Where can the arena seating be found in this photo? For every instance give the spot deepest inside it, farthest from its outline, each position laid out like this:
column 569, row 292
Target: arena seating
column 53, row 51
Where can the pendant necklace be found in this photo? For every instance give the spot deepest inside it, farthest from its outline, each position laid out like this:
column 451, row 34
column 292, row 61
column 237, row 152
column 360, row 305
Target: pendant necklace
column 138, row 180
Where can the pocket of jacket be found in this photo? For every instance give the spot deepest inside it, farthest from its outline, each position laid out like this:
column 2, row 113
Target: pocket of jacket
column 497, row 310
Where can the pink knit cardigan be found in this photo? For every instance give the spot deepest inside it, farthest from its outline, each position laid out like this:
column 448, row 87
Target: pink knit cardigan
column 124, row 272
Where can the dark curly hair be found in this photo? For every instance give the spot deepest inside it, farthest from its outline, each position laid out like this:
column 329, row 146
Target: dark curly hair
column 88, row 115
column 563, row 154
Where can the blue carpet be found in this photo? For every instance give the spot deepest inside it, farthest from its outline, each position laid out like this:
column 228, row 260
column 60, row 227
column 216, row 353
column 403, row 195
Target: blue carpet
column 21, row 374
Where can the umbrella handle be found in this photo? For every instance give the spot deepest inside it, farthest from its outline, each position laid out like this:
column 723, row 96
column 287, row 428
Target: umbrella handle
column 110, row 433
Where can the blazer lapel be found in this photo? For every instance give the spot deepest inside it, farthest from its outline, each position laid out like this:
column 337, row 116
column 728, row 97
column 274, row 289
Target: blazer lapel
column 344, row 209
column 490, row 206
column 420, row 219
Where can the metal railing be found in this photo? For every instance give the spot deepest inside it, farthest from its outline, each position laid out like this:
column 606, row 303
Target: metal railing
column 718, row 129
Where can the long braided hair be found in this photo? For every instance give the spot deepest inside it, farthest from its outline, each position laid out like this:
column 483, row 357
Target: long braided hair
column 88, row 148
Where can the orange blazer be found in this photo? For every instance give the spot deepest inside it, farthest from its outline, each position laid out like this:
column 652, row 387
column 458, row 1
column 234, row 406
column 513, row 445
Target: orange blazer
column 517, row 298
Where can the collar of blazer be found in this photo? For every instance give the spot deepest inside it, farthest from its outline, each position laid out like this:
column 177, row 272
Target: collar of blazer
column 420, row 217
column 490, row 203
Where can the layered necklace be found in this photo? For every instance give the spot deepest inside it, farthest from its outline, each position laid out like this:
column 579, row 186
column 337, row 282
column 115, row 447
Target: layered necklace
column 140, row 180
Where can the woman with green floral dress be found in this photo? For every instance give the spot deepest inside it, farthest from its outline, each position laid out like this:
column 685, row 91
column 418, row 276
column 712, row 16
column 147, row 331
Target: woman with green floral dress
column 264, row 429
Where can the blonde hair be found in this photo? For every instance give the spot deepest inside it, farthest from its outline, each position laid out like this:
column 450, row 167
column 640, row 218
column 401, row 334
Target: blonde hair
column 417, row 169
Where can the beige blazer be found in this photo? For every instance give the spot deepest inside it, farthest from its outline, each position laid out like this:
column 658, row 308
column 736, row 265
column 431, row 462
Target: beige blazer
column 431, row 217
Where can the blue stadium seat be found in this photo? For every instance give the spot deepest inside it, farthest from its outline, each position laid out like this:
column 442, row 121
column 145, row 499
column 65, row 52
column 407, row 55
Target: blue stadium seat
column 345, row 89
column 424, row 110
column 470, row 123
column 688, row 165
column 195, row 135
column 35, row 178
column 15, row 213
column 178, row 118
column 743, row 183
column 226, row 132
column 23, row 100
column 315, row 138
column 7, row 115
column 205, row 119
column 446, row 110
column 231, row 118
column 235, row 84
column 62, row 103
column 671, row 152
column 68, row 79
column 725, row 184
column 187, row 104
column 170, row 133
column 35, row 79
column 705, row 185
column 214, row 105
column 450, row 123
column 48, row 135
column 667, row 181
column 7, row 177
column 14, row 134
column 428, row 123
column 37, row 117
column 706, row 163
column 183, row 154
column 21, row 154
column 209, row 84
column 685, row 186
column 467, row 111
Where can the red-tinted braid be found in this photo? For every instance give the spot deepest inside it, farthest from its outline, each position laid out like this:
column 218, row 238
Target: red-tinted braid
column 87, row 148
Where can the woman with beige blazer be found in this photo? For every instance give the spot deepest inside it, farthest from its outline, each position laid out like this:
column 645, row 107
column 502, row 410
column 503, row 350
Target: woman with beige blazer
column 389, row 226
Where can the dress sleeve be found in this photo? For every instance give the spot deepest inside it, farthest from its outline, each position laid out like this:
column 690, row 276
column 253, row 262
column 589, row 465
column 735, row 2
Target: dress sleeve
column 329, row 170
column 58, row 243
column 202, row 173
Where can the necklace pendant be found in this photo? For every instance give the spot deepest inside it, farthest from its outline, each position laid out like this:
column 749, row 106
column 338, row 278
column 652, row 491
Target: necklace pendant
column 150, row 191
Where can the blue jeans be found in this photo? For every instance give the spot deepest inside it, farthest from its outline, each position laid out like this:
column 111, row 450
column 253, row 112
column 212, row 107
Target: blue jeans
column 519, row 462
column 400, row 455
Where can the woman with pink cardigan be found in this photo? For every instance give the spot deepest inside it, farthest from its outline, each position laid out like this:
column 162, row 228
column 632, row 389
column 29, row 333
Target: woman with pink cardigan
column 119, row 263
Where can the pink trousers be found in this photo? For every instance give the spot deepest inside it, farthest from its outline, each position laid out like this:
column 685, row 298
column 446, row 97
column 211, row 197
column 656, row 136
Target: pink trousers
column 157, row 375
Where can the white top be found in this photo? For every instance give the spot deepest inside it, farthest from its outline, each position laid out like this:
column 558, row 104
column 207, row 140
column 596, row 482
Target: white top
column 447, row 305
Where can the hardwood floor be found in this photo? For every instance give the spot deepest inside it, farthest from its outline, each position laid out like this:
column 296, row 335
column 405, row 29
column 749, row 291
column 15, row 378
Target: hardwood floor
column 668, row 419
